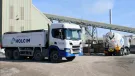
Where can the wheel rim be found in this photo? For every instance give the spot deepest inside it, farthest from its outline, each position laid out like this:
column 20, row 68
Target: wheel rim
column 55, row 56
column 38, row 55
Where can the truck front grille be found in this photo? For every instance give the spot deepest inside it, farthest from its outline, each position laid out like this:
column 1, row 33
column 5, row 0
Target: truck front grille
column 75, row 46
column 75, row 49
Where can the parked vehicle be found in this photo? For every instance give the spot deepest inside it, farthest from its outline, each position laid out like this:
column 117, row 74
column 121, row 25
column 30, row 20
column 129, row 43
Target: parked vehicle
column 60, row 40
column 116, row 44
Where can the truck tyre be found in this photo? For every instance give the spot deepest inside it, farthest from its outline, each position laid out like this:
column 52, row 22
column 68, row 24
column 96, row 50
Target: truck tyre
column 8, row 54
column 70, row 58
column 38, row 55
column 54, row 57
column 128, row 51
column 121, row 53
column 16, row 54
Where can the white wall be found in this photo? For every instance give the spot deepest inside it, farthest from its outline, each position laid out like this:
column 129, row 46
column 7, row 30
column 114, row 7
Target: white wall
column 8, row 22
column 33, row 18
column 39, row 20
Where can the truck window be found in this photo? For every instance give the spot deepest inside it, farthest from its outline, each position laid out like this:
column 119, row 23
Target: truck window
column 73, row 34
column 57, row 33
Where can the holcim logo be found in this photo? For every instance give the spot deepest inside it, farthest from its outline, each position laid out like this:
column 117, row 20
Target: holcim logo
column 20, row 40
column 13, row 40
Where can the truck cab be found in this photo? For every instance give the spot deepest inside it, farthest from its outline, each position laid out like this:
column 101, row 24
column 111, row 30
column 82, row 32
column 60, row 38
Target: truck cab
column 66, row 39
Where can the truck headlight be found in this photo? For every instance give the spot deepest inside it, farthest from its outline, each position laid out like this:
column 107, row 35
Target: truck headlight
column 67, row 50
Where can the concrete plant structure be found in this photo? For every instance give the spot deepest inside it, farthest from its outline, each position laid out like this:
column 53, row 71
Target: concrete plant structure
column 19, row 15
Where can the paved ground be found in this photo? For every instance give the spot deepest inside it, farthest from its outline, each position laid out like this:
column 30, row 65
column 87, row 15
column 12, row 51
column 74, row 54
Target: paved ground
column 81, row 66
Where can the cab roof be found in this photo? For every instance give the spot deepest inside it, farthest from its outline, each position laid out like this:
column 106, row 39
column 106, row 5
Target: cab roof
column 65, row 25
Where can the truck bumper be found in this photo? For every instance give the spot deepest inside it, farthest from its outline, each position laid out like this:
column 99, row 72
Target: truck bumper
column 67, row 54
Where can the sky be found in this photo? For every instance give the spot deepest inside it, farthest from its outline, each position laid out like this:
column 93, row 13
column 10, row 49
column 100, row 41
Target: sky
column 123, row 11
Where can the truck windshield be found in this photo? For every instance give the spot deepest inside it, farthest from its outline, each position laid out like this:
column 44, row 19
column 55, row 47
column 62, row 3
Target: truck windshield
column 73, row 34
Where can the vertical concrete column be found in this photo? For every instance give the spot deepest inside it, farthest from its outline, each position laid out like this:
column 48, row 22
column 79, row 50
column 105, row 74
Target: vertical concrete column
column 83, row 34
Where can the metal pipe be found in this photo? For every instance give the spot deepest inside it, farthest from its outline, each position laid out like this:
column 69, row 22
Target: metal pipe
column 110, row 17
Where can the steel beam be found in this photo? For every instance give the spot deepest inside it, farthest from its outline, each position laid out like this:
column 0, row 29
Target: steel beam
column 91, row 23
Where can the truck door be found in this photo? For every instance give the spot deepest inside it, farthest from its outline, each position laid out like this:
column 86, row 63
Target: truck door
column 58, row 38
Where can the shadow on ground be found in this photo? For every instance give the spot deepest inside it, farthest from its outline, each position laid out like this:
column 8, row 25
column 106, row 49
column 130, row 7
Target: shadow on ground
column 94, row 54
column 2, row 58
column 30, row 60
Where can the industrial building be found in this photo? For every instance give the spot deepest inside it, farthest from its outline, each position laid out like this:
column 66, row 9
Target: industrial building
column 19, row 15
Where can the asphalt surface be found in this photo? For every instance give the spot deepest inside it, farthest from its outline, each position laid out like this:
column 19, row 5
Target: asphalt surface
column 82, row 66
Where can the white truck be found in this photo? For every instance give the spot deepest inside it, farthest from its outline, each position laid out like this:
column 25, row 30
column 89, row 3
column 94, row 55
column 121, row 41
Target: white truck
column 60, row 40
column 116, row 44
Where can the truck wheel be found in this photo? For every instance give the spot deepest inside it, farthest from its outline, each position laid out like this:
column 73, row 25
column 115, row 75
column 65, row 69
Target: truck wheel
column 16, row 54
column 38, row 55
column 8, row 54
column 128, row 51
column 121, row 53
column 54, row 57
column 70, row 58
